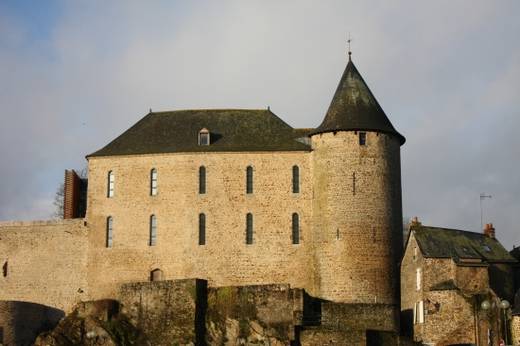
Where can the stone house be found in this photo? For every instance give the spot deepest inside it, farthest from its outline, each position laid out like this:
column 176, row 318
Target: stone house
column 234, row 197
column 452, row 283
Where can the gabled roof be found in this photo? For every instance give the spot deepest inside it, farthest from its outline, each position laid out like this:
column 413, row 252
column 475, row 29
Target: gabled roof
column 459, row 245
column 230, row 130
column 354, row 107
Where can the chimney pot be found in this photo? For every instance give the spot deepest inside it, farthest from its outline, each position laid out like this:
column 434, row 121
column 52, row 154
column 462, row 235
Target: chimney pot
column 489, row 230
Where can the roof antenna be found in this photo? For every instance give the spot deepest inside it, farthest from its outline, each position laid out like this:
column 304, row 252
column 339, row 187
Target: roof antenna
column 349, row 51
column 150, row 110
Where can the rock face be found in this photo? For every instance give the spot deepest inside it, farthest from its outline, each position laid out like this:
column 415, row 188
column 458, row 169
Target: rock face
column 93, row 323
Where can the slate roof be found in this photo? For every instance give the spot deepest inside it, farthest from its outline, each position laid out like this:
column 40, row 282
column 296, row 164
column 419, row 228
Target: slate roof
column 354, row 107
column 230, row 130
column 436, row 242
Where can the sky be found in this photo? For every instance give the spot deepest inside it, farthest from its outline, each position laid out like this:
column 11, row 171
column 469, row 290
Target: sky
column 76, row 74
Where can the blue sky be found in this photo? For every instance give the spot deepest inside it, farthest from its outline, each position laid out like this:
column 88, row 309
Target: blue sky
column 76, row 74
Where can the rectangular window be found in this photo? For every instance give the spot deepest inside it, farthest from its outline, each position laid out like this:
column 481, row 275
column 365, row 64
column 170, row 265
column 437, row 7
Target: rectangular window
column 420, row 312
column 418, row 279
column 202, row 229
column 153, row 230
column 202, row 180
column 110, row 185
column 295, row 229
column 109, row 231
column 415, row 253
column 249, row 229
column 249, row 179
column 296, row 179
column 362, row 138
column 153, row 182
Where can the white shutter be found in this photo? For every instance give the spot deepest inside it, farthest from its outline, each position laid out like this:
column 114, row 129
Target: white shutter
column 418, row 279
column 421, row 312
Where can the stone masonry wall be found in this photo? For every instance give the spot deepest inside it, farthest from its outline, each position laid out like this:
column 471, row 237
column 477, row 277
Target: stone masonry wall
column 225, row 260
column 44, row 262
column 357, row 217
column 515, row 330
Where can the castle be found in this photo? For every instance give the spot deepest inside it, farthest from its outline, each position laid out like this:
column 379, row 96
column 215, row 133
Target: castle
column 238, row 198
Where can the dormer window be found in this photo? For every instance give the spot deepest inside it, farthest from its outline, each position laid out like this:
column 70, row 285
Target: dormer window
column 204, row 137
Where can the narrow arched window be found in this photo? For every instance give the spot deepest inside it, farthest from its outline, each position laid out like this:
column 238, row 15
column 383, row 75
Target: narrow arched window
column 110, row 222
column 249, row 179
column 153, row 182
column 295, row 228
column 296, row 179
column 249, row 228
column 110, row 184
column 153, row 230
column 202, row 180
column 202, row 229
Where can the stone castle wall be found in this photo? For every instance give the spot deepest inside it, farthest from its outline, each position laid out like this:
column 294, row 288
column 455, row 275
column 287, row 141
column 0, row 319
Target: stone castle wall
column 44, row 262
column 225, row 260
column 357, row 217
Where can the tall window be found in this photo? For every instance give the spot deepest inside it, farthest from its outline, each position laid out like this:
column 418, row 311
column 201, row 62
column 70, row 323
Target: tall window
column 295, row 228
column 295, row 179
column 202, row 180
column 110, row 184
column 418, row 312
column 362, row 138
column 249, row 179
column 202, row 229
column 249, row 228
column 153, row 230
column 153, row 182
column 110, row 222
column 418, row 279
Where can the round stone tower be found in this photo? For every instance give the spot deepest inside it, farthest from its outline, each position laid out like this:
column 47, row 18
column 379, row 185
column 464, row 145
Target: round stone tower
column 357, row 212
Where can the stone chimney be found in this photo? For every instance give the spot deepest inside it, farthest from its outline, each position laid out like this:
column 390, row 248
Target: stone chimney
column 489, row 230
column 71, row 195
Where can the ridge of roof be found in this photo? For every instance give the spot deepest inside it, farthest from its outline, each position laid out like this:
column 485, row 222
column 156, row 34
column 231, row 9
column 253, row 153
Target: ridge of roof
column 355, row 108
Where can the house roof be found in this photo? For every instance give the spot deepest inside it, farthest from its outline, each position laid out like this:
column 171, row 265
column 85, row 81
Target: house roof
column 230, row 130
column 459, row 245
column 354, row 107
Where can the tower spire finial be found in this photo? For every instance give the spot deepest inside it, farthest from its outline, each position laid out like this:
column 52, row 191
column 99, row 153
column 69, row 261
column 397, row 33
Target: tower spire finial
column 349, row 51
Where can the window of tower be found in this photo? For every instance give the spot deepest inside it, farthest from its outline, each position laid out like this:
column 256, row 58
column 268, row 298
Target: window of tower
column 202, row 229
column 153, row 182
column 362, row 138
column 202, row 180
column 295, row 229
column 249, row 229
column 153, row 231
column 109, row 231
column 249, row 180
column 110, row 184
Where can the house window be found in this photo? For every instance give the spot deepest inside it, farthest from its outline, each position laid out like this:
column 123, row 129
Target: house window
column 418, row 279
column 296, row 179
column 204, row 137
column 418, row 312
column 4, row 269
column 202, row 229
column 295, row 229
column 202, row 180
column 153, row 230
column 362, row 138
column 110, row 185
column 415, row 253
column 249, row 228
column 109, row 231
column 153, row 182
column 249, row 179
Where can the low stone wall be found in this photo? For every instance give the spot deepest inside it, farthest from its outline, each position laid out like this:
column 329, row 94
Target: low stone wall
column 168, row 312
column 359, row 317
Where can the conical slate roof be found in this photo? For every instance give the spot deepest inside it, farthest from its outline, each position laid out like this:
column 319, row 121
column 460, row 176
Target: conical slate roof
column 354, row 108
